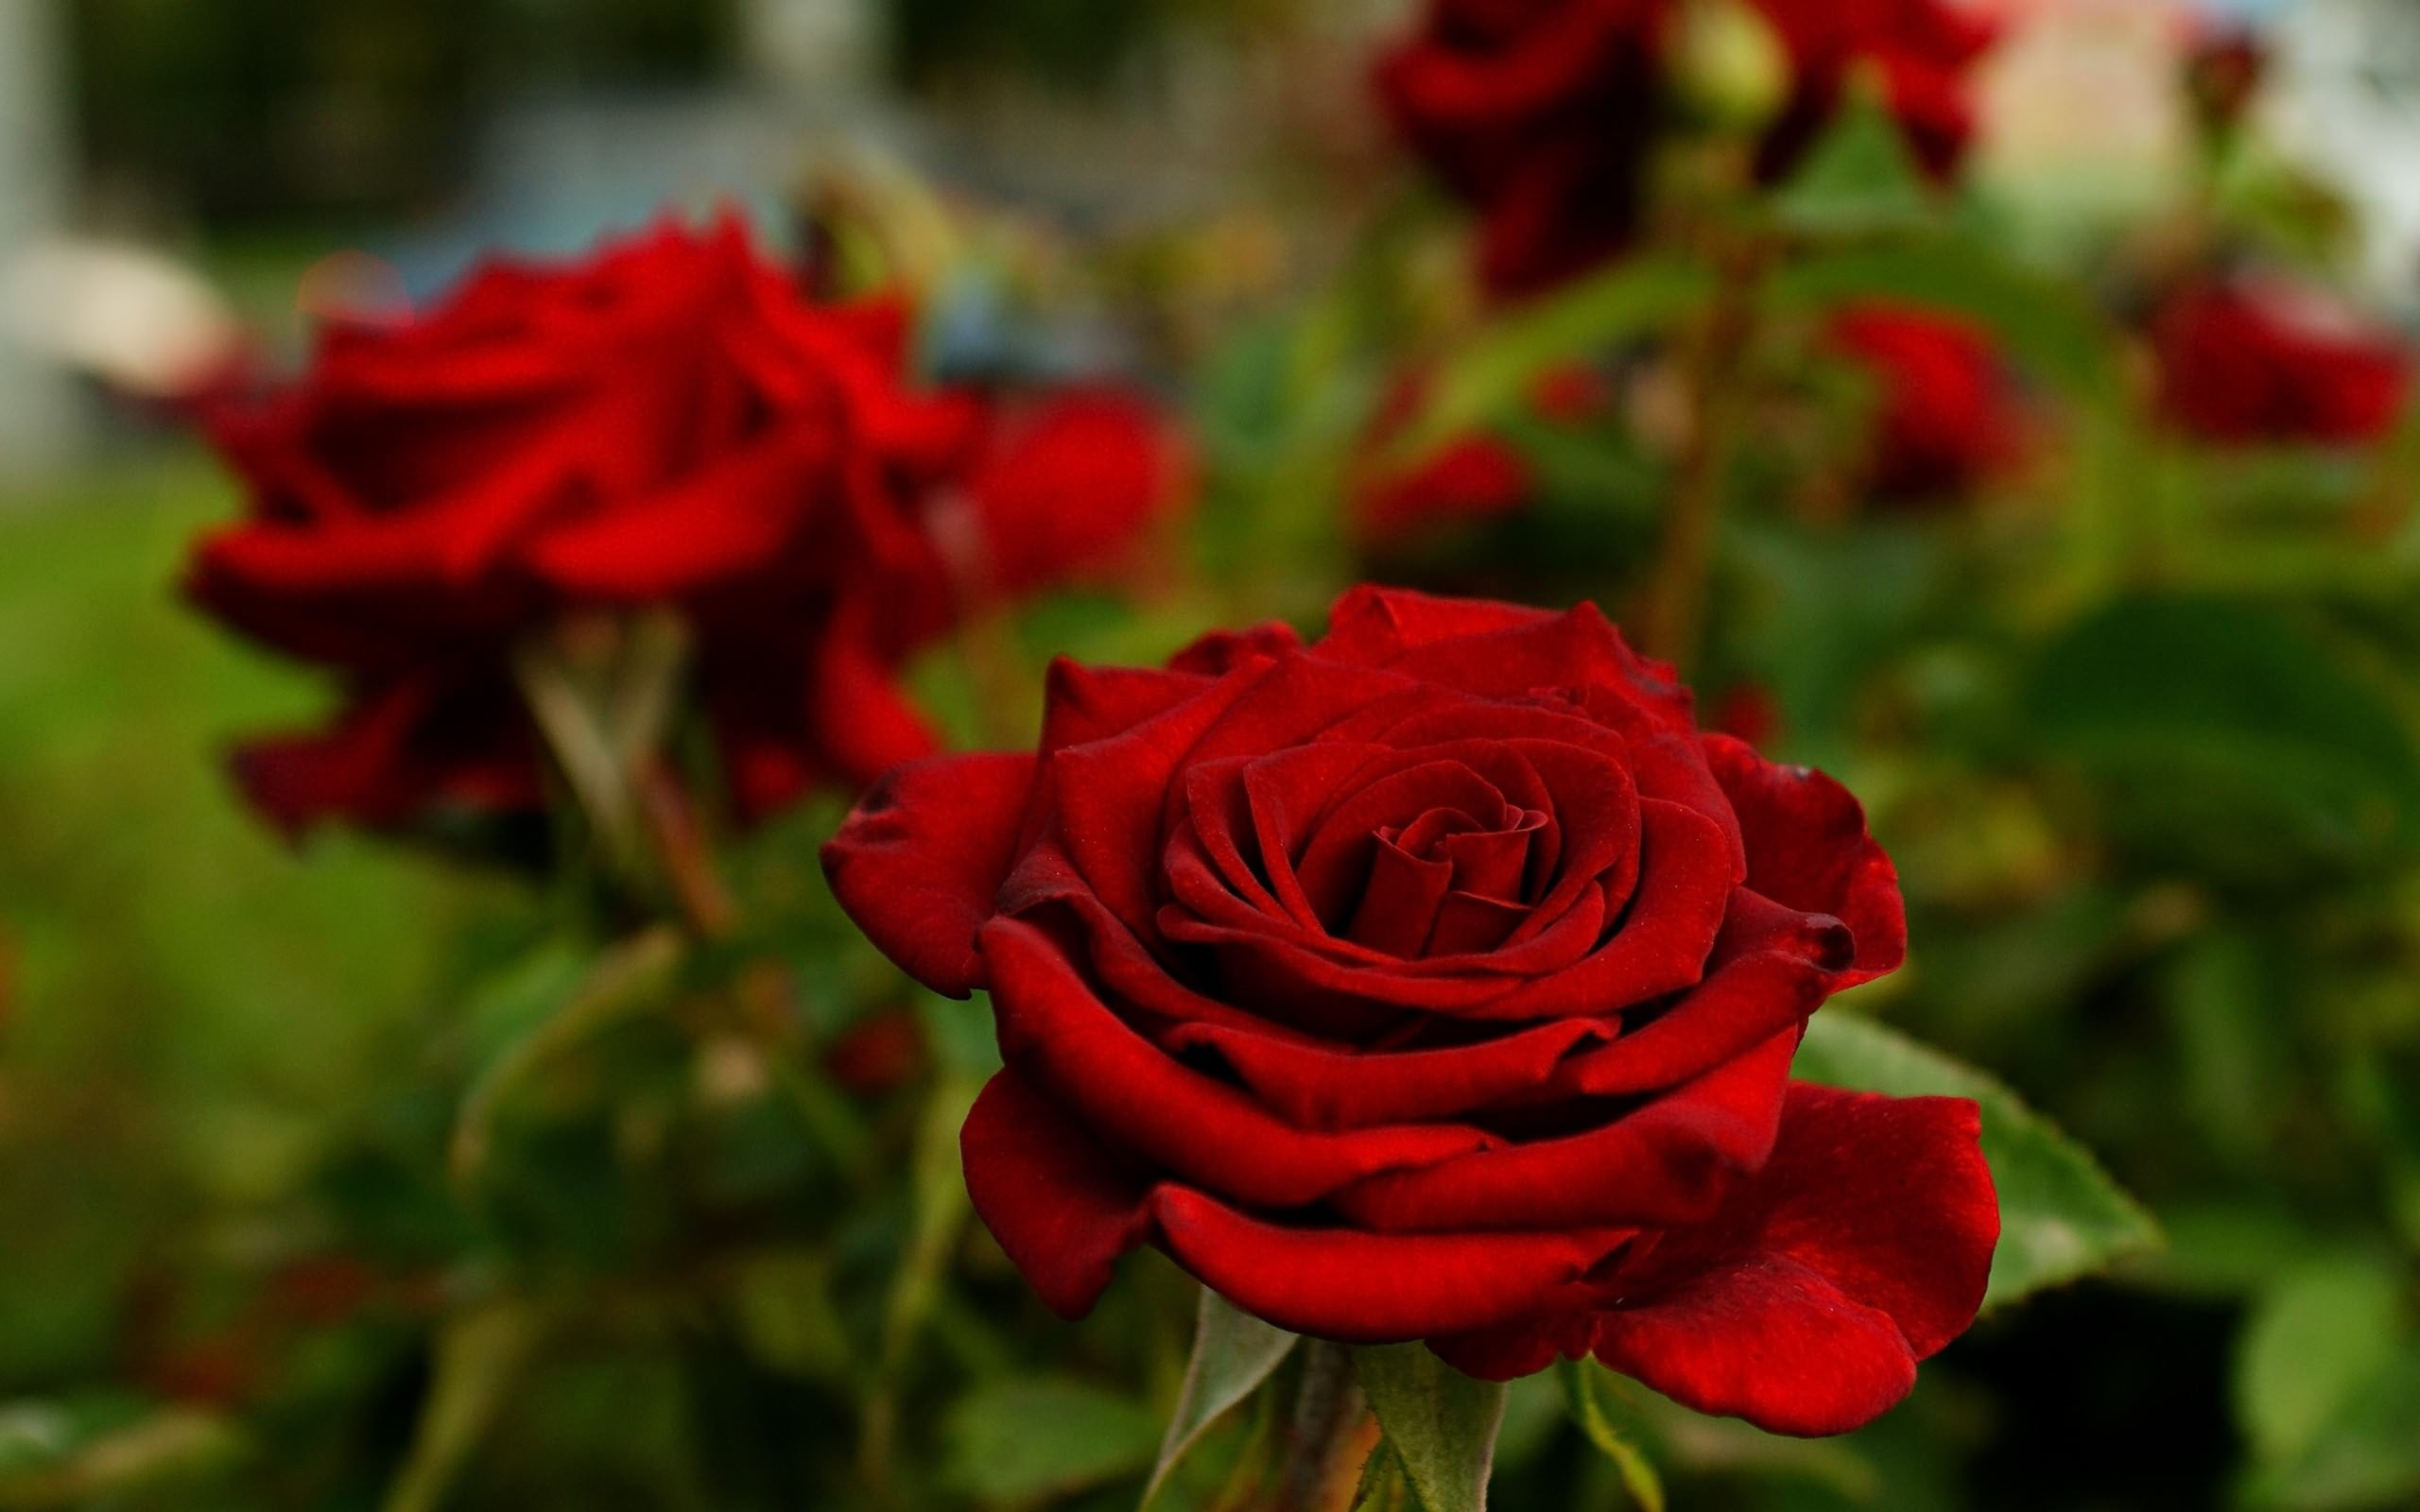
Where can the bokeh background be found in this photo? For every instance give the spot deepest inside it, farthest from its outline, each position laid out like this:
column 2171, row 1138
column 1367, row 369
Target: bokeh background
column 2136, row 715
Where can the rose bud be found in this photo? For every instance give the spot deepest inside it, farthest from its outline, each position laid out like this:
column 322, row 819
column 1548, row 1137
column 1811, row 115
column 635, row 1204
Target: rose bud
column 1438, row 980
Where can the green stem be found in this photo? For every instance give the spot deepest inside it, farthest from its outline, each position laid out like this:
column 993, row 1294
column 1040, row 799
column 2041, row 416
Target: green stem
column 1685, row 561
column 1332, row 1434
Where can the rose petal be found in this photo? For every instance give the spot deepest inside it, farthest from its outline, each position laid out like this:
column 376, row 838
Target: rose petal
column 919, row 860
column 1667, row 1163
column 1317, row 1086
column 1808, row 847
column 1062, row 1210
column 1364, row 1288
column 1137, row 1100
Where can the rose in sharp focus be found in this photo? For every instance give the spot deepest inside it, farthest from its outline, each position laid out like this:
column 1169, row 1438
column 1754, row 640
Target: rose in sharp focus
column 1437, row 980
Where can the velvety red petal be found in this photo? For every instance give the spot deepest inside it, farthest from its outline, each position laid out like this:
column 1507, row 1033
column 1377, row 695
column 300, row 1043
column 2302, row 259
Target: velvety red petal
column 1320, row 1086
column 920, row 861
column 1138, row 1101
column 1062, row 1210
column 1364, row 1288
column 1808, row 849
column 1669, row 1161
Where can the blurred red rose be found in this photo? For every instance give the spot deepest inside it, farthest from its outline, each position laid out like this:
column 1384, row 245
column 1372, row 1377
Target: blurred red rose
column 1923, row 51
column 1471, row 478
column 1438, row 980
column 667, row 422
column 1066, row 489
column 2250, row 362
column 1949, row 413
column 1541, row 113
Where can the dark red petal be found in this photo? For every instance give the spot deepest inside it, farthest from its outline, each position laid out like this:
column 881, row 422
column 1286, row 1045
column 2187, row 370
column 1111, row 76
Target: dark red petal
column 1669, row 1162
column 1364, row 1288
column 1319, row 1086
column 920, row 861
column 1083, row 703
column 1140, row 1102
column 724, row 522
column 1863, row 1247
column 1370, row 626
column 1062, row 1210
column 1221, row 651
column 1808, row 849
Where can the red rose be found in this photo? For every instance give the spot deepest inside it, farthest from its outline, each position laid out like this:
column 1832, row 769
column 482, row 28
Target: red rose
column 1541, row 113
column 1066, row 489
column 1471, row 478
column 2259, row 362
column 1438, row 980
column 1949, row 415
column 1537, row 113
column 667, row 422
column 1922, row 49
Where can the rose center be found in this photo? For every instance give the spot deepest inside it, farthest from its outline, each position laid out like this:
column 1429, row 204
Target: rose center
column 1446, row 882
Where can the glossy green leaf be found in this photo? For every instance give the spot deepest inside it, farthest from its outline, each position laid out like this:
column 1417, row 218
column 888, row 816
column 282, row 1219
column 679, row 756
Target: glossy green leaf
column 2061, row 1215
column 1233, row 1353
column 1440, row 1424
column 1027, row 1439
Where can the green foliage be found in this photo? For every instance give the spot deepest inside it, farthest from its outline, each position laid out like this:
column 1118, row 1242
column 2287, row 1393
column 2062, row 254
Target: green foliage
column 1440, row 1424
column 1022, row 1440
column 1232, row 1354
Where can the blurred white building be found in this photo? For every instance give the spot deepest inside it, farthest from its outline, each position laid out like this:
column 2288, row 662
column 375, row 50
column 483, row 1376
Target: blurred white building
column 40, row 416
column 2347, row 102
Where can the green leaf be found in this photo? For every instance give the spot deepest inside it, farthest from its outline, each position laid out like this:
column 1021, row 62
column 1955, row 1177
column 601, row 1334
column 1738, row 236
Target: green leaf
column 2061, row 1215
column 1583, row 1387
column 1023, row 1439
column 1233, row 1353
column 2318, row 1337
column 1440, row 1422
column 2365, row 1456
column 1491, row 373
column 1860, row 178
column 480, row 1357
column 2221, row 731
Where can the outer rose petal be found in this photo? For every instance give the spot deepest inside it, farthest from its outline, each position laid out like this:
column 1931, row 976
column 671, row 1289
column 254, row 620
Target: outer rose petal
column 1863, row 1247
column 1808, row 849
column 921, row 858
column 395, row 753
column 1057, row 1203
column 1363, row 1288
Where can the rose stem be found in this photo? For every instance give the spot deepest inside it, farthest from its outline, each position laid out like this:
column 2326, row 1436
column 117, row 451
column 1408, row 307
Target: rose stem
column 1332, row 1434
column 1685, row 561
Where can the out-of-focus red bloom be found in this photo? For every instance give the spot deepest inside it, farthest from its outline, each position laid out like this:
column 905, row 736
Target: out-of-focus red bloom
column 2250, row 362
column 1472, row 478
column 1537, row 113
column 1749, row 712
column 669, row 423
column 1923, row 51
column 1950, row 413
column 1065, row 490
column 878, row 1054
column 1541, row 113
